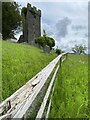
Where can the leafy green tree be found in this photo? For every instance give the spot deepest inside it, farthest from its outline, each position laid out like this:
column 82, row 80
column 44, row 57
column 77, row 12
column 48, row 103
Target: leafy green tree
column 50, row 42
column 79, row 49
column 41, row 41
column 24, row 11
column 58, row 51
column 11, row 19
column 45, row 40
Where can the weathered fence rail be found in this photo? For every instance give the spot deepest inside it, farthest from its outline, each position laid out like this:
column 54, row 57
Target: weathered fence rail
column 22, row 102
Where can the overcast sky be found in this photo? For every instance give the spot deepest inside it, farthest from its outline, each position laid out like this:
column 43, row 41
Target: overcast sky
column 66, row 22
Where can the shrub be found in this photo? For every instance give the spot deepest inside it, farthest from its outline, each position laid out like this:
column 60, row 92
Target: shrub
column 41, row 41
column 79, row 49
column 45, row 40
column 58, row 51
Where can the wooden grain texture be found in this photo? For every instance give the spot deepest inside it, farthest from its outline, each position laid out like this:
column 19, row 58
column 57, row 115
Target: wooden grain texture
column 49, row 105
column 41, row 110
column 21, row 100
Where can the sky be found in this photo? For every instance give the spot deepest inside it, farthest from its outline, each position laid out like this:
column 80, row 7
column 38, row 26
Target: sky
column 66, row 22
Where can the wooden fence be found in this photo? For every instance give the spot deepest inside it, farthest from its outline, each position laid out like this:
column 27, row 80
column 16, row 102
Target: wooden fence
column 33, row 100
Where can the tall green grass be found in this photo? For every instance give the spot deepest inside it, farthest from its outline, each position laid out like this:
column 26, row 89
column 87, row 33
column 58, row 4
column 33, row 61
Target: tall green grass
column 0, row 71
column 70, row 97
column 19, row 64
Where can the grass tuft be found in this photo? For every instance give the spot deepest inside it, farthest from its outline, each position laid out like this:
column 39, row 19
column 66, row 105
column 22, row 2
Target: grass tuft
column 70, row 98
column 20, row 63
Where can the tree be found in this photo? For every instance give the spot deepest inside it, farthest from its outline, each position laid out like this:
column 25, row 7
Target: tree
column 50, row 42
column 24, row 11
column 58, row 51
column 42, row 41
column 79, row 49
column 45, row 40
column 11, row 19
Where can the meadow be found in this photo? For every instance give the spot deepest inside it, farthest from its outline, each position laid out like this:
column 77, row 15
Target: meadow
column 20, row 62
column 70, row 97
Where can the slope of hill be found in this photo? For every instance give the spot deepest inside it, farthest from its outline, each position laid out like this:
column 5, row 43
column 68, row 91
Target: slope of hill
column 19, row 64
column 70, row 98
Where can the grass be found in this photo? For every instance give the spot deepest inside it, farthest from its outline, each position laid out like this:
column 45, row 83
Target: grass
column 19, row 64
column 70, row 97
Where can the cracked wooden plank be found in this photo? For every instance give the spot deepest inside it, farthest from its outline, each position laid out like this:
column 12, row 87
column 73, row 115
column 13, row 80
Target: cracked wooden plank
column 21, row 100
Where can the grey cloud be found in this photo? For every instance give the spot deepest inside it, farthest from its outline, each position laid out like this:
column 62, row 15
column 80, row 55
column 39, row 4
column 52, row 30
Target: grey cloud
column 49, row 32
column 76, row 33
column 47, row 21
column 62, row 27
column 85, row 35
column 78, row 27
column 66, row 47
column 68, row 44
column 73, row 42
column 47, row 28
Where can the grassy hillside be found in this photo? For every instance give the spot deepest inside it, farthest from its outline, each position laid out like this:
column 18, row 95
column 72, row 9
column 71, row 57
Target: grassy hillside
column 70, row 98
column 19, row 64
column 0, row 71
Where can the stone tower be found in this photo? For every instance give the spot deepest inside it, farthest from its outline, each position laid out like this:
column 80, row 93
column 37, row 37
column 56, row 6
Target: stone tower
column 31, row 25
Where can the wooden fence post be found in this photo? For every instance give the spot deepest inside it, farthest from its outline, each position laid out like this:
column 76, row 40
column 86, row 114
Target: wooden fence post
column 60, row 61
column 20, row 103
column 66, row 56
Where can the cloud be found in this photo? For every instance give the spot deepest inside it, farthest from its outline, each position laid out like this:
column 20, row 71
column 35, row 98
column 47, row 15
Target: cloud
column 48, row 29
column 78, row 27
column 47, row 21
column 85, row 35
column 67, row 44
column 62, row 27
column 62, row 22
column 76, row 33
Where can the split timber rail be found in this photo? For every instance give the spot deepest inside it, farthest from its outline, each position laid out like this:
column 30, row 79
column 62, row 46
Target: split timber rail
column 33, row 100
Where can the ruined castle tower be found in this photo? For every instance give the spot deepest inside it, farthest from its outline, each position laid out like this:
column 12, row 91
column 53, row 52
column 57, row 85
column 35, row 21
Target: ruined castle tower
column 31, row 25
